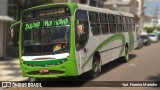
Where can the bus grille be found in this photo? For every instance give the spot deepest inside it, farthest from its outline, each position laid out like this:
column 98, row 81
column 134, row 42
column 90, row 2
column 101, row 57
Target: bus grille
column 45, row 73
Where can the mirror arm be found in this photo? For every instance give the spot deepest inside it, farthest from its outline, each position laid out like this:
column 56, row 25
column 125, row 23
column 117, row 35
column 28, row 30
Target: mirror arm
column 15, row 24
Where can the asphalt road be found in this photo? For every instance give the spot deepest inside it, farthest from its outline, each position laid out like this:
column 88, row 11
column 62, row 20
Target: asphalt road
column 144, row 65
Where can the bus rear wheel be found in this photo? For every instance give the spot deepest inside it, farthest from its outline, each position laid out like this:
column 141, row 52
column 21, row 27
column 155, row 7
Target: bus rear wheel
column 96, row 66
column 126, row 57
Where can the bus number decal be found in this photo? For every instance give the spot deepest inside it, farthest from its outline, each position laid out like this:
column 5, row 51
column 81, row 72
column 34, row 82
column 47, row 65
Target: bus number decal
column 48, row 23
column 61, row 22
column 33, row 25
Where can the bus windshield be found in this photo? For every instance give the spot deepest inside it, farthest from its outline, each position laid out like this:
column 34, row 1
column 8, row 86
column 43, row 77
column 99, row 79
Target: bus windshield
column 48, row 36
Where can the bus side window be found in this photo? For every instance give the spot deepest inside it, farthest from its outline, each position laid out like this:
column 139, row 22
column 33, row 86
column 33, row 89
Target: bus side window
column 129, row 24
column 95, row 25
column 104, row 23
column 119, row 24
column 112, row 23
column 81, row 29
column 125, row 24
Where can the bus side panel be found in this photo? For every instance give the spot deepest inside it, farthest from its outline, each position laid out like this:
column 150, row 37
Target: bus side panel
column 111, row 51
column 109, row 46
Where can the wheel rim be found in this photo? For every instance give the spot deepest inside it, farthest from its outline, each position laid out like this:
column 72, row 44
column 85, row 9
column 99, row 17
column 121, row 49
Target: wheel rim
column 95, row 68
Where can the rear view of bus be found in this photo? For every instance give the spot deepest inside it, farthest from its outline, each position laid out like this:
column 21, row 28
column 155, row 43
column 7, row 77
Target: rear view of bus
column 45, row 40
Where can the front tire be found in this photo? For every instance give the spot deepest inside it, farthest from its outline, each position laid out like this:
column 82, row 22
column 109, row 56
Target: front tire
column 96, row 68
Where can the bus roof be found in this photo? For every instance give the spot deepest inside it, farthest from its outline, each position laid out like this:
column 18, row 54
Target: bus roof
column 84, row 7
column 95, row 9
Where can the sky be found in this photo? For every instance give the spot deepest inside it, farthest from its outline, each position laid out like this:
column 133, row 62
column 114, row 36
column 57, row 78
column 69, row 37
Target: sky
column 151, row 7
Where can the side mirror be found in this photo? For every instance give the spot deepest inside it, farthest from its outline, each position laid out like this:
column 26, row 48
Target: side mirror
column 13, row 35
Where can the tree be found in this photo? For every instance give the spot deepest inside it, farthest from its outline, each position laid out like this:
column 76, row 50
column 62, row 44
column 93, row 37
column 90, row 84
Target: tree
column 151, row 29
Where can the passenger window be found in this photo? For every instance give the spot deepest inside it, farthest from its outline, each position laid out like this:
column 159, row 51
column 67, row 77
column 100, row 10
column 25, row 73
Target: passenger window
column 104, row 28
column 128, row 24
column 104, row 23
column 119, row 24
column 95, row 25
column 112, row 23
column 103, row 18
column 124, row 24
column 93, row 17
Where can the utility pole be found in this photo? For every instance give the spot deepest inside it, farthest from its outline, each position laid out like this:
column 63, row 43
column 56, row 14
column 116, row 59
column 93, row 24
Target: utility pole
column 155, row 21
column 140, row 28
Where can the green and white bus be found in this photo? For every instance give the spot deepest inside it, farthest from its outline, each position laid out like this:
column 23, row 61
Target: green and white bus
column 68, row 39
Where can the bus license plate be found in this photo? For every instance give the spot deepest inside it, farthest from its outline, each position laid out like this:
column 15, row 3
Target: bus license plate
column 43, row 71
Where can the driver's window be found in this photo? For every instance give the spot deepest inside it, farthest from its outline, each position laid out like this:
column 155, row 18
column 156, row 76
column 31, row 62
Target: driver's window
column 81, row 29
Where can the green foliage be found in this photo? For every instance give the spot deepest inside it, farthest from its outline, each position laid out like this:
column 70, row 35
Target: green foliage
column 158, row 28
column 151, row 29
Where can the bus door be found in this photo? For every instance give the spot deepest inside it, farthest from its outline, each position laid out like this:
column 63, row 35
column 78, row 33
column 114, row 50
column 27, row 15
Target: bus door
column 81, row 36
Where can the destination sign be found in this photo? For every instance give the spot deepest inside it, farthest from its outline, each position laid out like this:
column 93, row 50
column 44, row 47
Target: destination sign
column 46, row 11
column 46, row 23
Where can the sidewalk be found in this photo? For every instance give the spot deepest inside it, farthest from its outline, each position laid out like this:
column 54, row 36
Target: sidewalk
column 10, row 70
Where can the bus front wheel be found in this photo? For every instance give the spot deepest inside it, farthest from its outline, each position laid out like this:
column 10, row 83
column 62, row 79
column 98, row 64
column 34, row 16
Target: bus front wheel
column 96, row 68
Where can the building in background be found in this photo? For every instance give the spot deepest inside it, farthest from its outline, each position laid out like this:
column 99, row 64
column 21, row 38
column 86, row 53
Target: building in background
column 12, row 9
column 147, row 21
column 155, row 22
column 95, row 3
column 142, row 16
column 128, row 6
column 150, row 21
column 5, row 21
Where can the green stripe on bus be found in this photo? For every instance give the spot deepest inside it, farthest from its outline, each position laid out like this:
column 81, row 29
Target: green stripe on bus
column 106, row 42
column 44, row 63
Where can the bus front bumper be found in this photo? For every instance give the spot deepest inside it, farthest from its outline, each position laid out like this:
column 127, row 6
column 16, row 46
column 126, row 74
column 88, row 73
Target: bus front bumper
column 50, row 71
